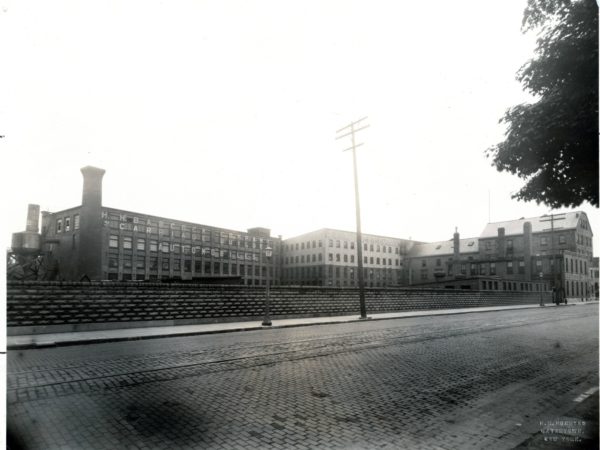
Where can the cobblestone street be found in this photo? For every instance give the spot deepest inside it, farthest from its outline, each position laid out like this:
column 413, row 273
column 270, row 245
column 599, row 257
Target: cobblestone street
column 482, row 380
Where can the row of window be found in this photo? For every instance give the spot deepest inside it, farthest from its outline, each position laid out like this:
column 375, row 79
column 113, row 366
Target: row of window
column 312, row 272
column 512, row 286
column 337, row 243
column 141, row 245
column 575, row 266
column 199, row 267
column 64, row 224
column 222, row 239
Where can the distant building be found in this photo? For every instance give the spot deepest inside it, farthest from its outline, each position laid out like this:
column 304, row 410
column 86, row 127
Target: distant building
column 96, row 242
column 539, row 253
column 328, row 257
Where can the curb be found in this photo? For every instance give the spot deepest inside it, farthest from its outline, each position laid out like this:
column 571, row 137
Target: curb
column 101, row 340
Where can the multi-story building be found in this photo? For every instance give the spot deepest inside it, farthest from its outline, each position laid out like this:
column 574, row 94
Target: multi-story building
column 101, row 243
column 594, row 272
column 539, row 253
column 328, row 257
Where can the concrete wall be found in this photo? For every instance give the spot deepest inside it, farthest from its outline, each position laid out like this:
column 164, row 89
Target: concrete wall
column 41, row 307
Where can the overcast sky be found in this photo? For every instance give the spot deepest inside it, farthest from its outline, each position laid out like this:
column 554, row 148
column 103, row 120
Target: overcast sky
column 224, row 112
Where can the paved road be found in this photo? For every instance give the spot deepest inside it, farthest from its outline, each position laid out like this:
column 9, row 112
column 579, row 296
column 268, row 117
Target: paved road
column 483, row 380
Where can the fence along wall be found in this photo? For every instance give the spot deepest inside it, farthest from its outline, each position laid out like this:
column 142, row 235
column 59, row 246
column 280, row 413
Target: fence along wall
column 42, row 307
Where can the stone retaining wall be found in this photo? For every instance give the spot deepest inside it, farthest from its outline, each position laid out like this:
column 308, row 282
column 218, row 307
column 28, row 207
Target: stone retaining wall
column 41, row 307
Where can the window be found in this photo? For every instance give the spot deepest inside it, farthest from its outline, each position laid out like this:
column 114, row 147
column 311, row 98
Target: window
column 330, row 257
column 509, row 244
column 59, row 226
column 154, row 263
column 153, row 246
column 113, row 263
column 337, row 244
column 438, row 262
column 320, row 243
column 165, row 265
column 127, row 242
column 345, row 258
column 352, row 245
column 141, row 244
column 320, row 257
column 482, row 269
column 488, row 245
column 337, row 257
column 331, row 242
column 76, row 222
column 371, row 260
column 113, row 241
column 140, row 264
column 67, row 223
column 351, row 258
column 521, row 267
column 473, row 269
column 165, row 247
column 423, row 263
column 509, row 268
column 378, row 261
column 492, row 268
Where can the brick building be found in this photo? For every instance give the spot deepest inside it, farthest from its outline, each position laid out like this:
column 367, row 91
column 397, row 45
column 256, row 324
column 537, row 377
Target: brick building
column 328, row 257
column 100, row 242
column 533, row 254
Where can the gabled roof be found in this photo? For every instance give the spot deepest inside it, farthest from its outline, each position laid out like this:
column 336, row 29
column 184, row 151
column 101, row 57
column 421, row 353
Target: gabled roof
column 538, row 224
column 468, row 245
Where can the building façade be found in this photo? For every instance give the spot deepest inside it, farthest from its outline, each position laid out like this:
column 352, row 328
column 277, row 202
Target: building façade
column 533, row 254
column 328, row 257
column 95, row 242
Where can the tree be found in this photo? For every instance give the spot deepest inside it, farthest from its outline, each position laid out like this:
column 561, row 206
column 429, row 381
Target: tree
column 552, row 143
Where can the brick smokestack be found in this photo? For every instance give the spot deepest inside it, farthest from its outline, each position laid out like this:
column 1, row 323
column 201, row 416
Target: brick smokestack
column 456, row 246
column 33, row 218
column 501, row 243
column 90, row 248
column 527, row 248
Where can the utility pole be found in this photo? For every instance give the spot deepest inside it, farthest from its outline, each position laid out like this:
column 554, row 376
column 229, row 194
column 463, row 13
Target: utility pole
column 551, row 219
column 354, row 128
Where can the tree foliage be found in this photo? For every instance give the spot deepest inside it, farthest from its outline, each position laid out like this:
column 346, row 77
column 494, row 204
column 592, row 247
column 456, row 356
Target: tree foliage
column 552, row 143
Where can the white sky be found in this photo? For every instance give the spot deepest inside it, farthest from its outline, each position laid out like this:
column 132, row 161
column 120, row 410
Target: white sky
column 224, row 112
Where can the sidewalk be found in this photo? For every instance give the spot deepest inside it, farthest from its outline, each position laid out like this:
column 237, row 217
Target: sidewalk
column 93, row 337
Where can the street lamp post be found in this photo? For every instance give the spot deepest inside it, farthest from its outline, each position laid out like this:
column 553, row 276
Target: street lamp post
column 267, row 319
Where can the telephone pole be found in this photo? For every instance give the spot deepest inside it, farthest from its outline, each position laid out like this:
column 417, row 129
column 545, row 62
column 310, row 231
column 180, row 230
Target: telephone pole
column 354, row 128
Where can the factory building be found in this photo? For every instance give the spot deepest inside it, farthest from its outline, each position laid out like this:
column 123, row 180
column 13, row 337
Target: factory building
column 534, row 254
column 328, row 257
column 95, row 242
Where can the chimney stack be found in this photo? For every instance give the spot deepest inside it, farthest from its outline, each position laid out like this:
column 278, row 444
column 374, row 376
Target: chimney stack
column 456, row 246
column 501, row 243
column 33, row 218
column 90, row 249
